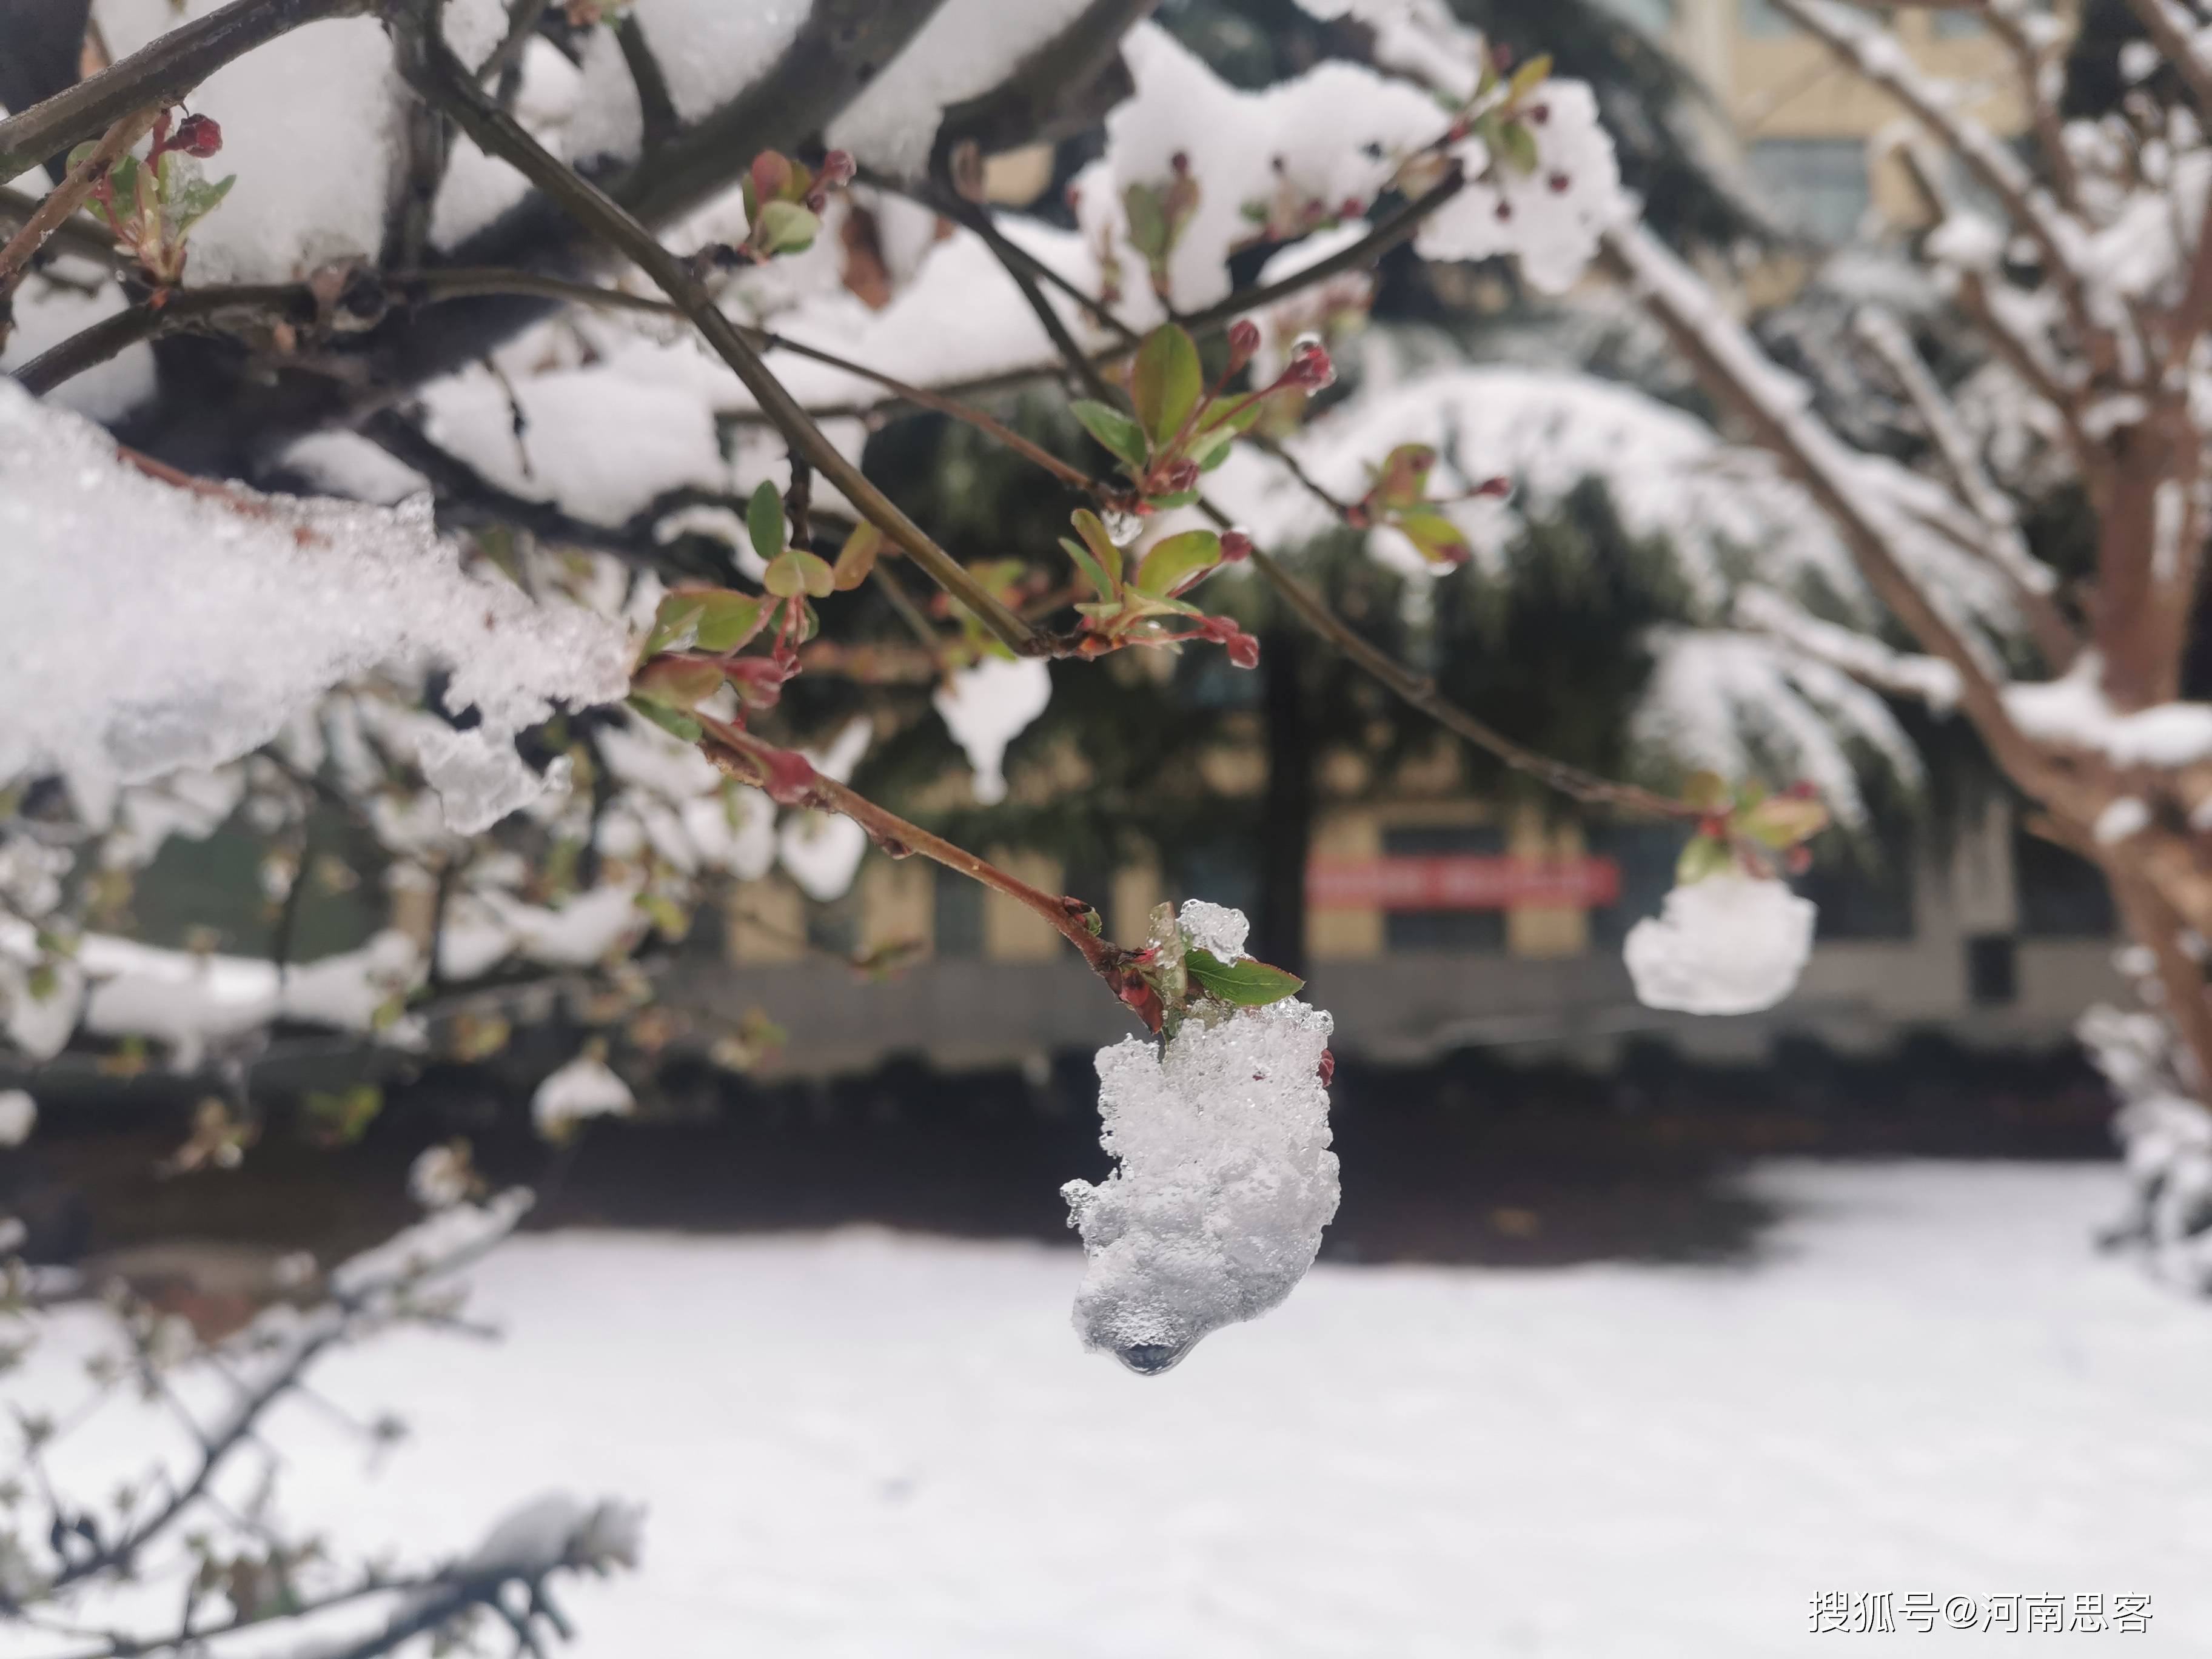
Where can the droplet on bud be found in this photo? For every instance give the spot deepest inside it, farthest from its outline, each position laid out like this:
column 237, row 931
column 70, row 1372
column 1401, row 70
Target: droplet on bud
column 1309, row 364
column 198, row 135
column 1123, row 527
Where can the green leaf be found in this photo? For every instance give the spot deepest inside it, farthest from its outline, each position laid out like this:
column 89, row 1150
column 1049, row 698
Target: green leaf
column 674, row 683
column 1179, row 498
column 1702, row 856
column 675, row 725
column 1517, row 148
column 196, row 201
column 1531, row 76
column 787, row 227
column 1166, row 383
column 764, row 520
column 857, row 556
column 1174, row 561
column 1247, row 984
column 1437, row 536
column 1092, row 529
column 795, row 571
column 1123, row 437
column 727, row 620
column 1089, row 566
column 1783, row 821
column 1148, row 219
column 1708, row 792
column 675, row 623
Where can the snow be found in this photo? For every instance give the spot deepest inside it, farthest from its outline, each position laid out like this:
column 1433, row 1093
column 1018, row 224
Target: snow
column 1224, row 1181
column 583, row 1088
column 438, row 1178
column 709, row 51
column 47, row 313
column 967, row 48
column 865, row 1443
column 119, row 647
column 1728, row 944
column 2074, row 710
column 1215, row 928
column 309, row 129
column 19, row 1116
column 986, row 707
column 2126, row 816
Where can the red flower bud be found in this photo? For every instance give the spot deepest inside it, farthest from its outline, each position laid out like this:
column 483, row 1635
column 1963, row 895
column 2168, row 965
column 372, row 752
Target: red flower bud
column 1504, row 211
column 197, row 135
column 1559, row 182
column 1803, row 790
column 770, row 173
column 1243, row 650
column 1326, row 1070
column 837, row 169
column 1498, row 487
column 1351, row 208
column 1182, row 475
column 789, row 776
column 1309, row 367
column 1180, row 164
column 1236, row 547
column 1538, row 113
column 1243, row 341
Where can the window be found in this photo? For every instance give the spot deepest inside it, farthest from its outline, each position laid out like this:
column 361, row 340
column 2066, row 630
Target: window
column 1817, row 187
column 1992, row 970
column 957, row 918
column 1442, row 929
column 1646, row 854
column 2060, row 895
column 1761, row 21
column 1864, row 898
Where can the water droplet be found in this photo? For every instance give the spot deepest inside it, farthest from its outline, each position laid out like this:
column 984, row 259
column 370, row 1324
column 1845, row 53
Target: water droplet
column 1123, row 527
column 1151, row 1358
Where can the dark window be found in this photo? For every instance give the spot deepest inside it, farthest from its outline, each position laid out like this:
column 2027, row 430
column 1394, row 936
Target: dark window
column 1863, row 896
column 958, row 914
column 1646, row 854
column 1442, row 929
column 1815, row 185
column 2060, row 895
column 1992, row 970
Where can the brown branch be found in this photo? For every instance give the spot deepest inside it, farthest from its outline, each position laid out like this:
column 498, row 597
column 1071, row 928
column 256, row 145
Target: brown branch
column 160, row 73
column 791, row 781
column 656, row 107
column 80, row 236
column 66, row 198
column 522, row 20
column 497, row 133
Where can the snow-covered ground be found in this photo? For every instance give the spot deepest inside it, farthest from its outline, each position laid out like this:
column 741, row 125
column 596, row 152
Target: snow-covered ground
column 865, row 1444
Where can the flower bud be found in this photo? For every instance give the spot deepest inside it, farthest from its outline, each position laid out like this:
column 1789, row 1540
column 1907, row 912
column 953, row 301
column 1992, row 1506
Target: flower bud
column 837, row 168
column 1309, row 367
column 197, row 135
column 1559, row 183
column 1182, row 475
column 1236, row 547
column 1243, row 650
column 1497, row 488
column 1326, row 1070
column 1243, row 341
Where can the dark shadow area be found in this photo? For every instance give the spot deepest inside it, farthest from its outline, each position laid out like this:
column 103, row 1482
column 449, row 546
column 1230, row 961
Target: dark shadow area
column 1469, row 1161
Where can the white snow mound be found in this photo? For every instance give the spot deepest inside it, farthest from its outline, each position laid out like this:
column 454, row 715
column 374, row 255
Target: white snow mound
column 1225, row 1182
column 1728, row 944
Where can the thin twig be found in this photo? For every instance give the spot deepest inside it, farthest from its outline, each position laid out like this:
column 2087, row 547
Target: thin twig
column 68, row 195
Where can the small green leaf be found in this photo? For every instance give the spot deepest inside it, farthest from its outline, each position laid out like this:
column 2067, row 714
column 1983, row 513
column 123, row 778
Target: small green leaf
column 1148, row 219
column 1173, row 562
column 1531, row 76
column 1092, row 529
column 1166, row 383
column 1783, row 821
column 1123, row 437
column 674, row 683
column 675, row 623
column 787, row 227
column 1707, row 791
column 1437, row 536
column 857, row 556
column 1178, row 498
column 1517, row 148
column 1247, row 984
column 764, row 520
column 1089, row 566
column 1702, row 856
column 727, row 620
column 675, row 725
column 795, row 571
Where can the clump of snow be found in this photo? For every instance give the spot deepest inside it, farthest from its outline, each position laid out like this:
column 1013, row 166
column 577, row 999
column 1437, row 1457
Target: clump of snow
column 1215, row 928
column 986, row 707
column 558, row 1530
column 709, row 50
column 1224, row 1185
column 439, row 1177
column 967, row 48
column 129, row 599
column 19, row 1116
column 2127, row 817
column 1728, row 944
column 584, row 1088
column 48, row 313
column 2073, row 709
column 1550, row 217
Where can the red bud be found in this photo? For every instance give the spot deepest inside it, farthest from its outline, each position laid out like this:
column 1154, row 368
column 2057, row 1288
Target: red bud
column 1236, row 547
column 1243, row 341
column 789, row 776
column 770, row 175
column 837, row 168
column 1309, row 367
column 198, row 135
column 1326, row 1070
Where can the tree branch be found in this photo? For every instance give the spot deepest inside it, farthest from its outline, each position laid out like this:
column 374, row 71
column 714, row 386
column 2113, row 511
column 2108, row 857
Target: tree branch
column 161, row 73
column 65, row 198
column 499, row 134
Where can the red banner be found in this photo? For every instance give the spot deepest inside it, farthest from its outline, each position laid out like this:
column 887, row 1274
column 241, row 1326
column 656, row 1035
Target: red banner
column 1462, row 881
